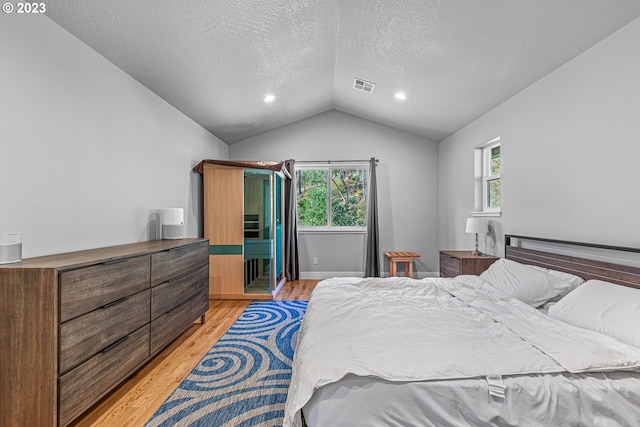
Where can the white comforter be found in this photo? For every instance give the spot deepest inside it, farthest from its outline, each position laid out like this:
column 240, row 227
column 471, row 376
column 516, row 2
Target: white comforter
column 401, row 329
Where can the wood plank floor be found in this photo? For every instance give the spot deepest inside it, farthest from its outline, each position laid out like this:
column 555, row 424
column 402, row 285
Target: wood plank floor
column 137, row 399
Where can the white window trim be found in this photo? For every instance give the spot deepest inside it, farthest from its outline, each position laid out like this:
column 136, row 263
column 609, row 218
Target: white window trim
column 332, row 165
column 332, row 230
column 482, row 163
column 486, row 177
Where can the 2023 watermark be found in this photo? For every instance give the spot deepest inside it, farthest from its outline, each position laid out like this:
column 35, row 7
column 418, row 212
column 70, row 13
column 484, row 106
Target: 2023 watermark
column 32, row 8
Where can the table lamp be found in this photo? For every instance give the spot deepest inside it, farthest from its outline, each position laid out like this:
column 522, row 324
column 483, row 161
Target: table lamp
column 477, row 225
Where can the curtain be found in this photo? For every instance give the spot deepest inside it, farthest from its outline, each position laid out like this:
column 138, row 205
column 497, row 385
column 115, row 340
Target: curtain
column 291, row 267
column 372, row 265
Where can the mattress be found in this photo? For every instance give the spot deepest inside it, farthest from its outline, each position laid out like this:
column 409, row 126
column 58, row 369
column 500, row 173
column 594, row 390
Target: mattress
column 398, row 351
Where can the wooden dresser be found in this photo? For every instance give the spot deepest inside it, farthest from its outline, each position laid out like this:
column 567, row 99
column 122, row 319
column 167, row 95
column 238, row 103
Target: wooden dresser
column 73, row 326
column 455, row 263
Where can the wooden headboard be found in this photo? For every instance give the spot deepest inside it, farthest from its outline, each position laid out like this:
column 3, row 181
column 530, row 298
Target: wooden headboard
column 586, row 268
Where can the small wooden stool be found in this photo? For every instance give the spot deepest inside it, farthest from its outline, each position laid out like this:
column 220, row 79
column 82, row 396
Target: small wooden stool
column 406, row 257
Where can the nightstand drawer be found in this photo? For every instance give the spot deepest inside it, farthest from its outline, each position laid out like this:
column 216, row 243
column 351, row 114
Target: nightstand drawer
column 456, row 263
column 449, row 266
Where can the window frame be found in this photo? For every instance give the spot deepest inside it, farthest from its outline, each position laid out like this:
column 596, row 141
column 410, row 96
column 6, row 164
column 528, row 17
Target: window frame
column 484, row 177
column 329, row 166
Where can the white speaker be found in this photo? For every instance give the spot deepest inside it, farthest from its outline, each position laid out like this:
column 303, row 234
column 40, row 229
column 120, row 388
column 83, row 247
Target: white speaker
column 172, row 223
column 10, row 247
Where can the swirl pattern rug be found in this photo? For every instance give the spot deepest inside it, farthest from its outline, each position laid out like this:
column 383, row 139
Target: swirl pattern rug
column 244, row 378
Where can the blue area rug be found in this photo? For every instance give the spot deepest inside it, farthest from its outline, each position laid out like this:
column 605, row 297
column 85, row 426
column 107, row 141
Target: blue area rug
column 244, row 378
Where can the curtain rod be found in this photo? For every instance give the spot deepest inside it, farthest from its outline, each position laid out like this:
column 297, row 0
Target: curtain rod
column 334, row 161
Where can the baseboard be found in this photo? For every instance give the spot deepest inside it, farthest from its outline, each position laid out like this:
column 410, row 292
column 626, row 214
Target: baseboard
column 319, row 275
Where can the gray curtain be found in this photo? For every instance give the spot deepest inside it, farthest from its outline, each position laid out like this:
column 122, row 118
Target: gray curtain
column 291, row 267
column 372, row 265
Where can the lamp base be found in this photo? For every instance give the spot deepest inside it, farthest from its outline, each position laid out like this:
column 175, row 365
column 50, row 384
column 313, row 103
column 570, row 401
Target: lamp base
column 476, row 252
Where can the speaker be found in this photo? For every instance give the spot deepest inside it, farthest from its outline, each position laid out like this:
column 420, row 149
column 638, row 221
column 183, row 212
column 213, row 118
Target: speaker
column 172, row 223
column 10, row 247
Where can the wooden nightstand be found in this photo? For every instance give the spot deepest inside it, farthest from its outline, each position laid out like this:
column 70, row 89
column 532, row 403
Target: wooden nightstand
column 455, row 263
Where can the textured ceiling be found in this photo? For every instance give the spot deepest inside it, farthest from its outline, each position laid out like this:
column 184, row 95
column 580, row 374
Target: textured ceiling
column 215, row 60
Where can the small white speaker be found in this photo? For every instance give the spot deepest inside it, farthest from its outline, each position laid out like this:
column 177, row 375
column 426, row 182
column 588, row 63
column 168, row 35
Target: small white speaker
column 10, row 247
column 172, row 223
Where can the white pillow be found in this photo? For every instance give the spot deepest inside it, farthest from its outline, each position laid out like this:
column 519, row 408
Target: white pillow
column 573, row 280
column 604, row 307
column 520, row 281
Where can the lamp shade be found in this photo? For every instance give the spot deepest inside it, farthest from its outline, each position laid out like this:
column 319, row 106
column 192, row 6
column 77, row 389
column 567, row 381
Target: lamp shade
column 477, row 225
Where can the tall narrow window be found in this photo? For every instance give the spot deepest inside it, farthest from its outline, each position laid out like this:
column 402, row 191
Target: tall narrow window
column 491, row 177
column 488, row 170
column 332, row 197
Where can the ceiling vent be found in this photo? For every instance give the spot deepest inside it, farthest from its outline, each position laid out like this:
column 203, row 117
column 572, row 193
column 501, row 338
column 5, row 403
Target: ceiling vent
column 363, row 85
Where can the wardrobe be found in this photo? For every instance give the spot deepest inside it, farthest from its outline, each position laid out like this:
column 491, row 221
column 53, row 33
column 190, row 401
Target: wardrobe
column 243, row 220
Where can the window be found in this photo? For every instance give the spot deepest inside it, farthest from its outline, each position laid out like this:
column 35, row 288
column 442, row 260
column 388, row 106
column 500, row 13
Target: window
column 332, row 197
column 488, row 168
column 491, row 177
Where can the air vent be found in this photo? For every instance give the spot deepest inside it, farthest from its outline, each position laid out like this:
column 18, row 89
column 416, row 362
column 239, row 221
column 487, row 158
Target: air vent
column 363, row 85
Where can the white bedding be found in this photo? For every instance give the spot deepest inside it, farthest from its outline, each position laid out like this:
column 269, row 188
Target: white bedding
column 397, row 330
column 599, row 400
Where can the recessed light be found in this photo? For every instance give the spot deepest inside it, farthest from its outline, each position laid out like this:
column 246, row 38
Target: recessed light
column 269, row 98
column 400, row 96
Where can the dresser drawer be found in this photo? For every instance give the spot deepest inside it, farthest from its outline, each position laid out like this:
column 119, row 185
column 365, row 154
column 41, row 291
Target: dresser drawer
column 449, row 266
column 166, row 296
column 84, row 385
column 174, row 262
column 84, row 336
column 88, row 288
column 168, row 326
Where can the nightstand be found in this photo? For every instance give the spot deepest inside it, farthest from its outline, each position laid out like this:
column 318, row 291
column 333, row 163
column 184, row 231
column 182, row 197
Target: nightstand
column 455, row 263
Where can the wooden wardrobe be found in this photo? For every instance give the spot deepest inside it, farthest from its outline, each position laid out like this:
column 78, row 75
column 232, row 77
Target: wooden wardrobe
column 243, row 220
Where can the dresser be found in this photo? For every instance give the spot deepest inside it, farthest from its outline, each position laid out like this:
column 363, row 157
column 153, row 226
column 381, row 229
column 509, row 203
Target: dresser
column 455, row 263
column 73, row 326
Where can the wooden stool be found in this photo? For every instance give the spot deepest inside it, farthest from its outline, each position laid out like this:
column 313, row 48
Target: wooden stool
column 406, row 257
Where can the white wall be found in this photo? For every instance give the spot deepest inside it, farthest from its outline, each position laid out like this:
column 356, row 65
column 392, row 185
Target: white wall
column 407, row 188
column 87, row 154
column 570, row 154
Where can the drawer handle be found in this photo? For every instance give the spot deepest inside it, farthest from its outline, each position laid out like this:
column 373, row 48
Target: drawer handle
column 182, row 302
column 116, row 302
column 115, row 261
column 173, row 279
column 114, row 345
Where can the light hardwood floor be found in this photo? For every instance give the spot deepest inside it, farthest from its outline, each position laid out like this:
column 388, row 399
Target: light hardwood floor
column 137, row 399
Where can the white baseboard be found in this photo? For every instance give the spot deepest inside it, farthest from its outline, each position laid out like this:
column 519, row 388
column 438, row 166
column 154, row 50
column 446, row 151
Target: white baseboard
column 319, row 275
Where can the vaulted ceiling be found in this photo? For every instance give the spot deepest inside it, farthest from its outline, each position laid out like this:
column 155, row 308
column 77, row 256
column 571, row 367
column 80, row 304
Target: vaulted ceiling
column 215, row 60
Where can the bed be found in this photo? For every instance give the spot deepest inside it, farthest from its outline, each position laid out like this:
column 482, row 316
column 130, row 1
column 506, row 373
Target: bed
column 465, row 351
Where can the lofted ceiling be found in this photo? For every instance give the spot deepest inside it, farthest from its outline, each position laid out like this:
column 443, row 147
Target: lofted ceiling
column 215, row 60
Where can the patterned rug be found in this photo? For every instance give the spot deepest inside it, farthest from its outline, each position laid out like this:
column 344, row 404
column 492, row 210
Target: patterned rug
column 244, row 378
